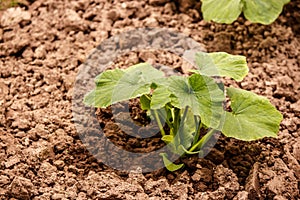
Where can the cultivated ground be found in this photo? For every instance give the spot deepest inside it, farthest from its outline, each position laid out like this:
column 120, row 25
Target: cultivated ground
column 42, row 46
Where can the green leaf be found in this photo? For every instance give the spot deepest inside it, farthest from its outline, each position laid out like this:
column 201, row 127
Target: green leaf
column 117, row 85
column 143, row 73
column 167, row 139
column 145, row 102
column 169, row 165
column 105, row 84
column 201, row 94
column 257, row 11
column 136, row 81
column 224, row 11
column 263, row 11
column 222, row 64
column 252, row 117
column 160, row 97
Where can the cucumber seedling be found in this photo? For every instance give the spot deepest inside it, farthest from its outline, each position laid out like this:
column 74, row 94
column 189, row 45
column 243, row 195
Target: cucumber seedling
column 191, row 106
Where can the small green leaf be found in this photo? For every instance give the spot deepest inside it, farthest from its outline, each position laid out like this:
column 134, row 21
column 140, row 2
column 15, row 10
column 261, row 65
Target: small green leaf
column 171, row 142
column 167, row 139
column 224, row 11
column 201, row 94
column 222, row 64
column 252, row 117
column 169, row 165
column 263, row 11
column 145, row 102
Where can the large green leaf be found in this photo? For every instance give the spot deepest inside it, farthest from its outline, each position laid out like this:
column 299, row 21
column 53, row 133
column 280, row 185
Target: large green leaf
column 201, row 94
column 222, row 64
column 105, row 84
column 221, row 11
column 135, row 82
column 117, row 85
column 252, row 117
column 263, row 11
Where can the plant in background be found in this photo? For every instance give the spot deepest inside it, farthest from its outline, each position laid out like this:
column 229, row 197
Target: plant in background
column 4, row 4
column 191, row 106
column 256, row 11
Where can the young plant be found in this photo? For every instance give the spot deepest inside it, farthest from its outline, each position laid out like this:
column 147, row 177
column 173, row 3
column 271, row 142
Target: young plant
column 256, row 11
column 191, row 106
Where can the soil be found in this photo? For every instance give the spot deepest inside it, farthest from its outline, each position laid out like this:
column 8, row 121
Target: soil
column 42, row 45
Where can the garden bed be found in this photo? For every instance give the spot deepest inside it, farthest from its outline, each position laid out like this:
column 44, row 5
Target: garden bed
column 41, row 154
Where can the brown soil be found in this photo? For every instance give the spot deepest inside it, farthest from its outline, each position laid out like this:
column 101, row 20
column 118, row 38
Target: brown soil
column 42, row 46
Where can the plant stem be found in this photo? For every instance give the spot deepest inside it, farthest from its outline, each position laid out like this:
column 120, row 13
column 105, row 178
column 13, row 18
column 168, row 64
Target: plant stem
column 148, row 97
column 183, row 118
column 176, row 121
column 170, row 124
column 185, row 113
column 162, row 131
column 203, row 140
column 180, row 136
column 198, row 124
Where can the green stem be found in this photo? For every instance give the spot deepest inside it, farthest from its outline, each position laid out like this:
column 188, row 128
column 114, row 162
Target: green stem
column 176, row 121
column 180, row 135
column 183, row 118
column 203, row 140
column 148, row 97
column 167, row 118
column 162, row 131
column 198, row 129
column 185, row 113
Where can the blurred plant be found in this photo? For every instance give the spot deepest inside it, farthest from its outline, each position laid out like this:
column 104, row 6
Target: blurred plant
column 256, row 11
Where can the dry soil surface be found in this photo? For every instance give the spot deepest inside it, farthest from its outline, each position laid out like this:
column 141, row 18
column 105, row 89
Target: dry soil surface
column 42, row 45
